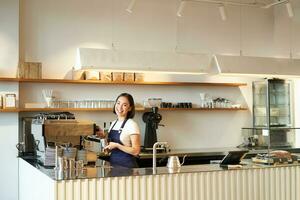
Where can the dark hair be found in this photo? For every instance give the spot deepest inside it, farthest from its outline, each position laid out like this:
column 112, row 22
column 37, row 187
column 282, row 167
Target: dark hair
column 131, row 113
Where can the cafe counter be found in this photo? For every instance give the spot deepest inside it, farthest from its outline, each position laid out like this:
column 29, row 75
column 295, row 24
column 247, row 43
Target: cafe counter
column 201, row 182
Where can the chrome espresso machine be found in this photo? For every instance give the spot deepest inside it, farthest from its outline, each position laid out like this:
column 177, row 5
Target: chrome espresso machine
column 61, row 128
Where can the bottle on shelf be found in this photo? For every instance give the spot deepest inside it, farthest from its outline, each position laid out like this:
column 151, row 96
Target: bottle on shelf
column 10, row 101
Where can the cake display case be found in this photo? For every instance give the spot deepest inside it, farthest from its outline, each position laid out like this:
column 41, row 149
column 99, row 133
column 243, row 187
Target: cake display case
column 272, row 116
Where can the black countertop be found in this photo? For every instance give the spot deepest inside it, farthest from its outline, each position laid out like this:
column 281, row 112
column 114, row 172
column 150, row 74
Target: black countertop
column 201, row 152
column 109, row 172
column 100, row 171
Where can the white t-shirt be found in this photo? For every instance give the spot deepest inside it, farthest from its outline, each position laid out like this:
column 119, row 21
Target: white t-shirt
column 130, row 128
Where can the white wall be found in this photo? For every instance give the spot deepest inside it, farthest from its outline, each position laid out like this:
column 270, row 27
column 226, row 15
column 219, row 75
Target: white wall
column 63, row 26
column 295, row 41
column 51, row 31
column 9, row 56
column 9, row 162
column 183, row 129
column 286, row 42
column 286, row 31
column 9, row 37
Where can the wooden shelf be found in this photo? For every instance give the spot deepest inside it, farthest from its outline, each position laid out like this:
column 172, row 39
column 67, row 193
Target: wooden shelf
column 137, row 109
column 122, row 83
column 68, row 109
column 62, row 109
column 9, row 79
column 64, row 81
column 9, row 110
column 203, row 109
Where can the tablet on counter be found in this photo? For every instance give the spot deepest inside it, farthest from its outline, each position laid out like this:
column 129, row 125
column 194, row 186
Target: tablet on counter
column 233, row 158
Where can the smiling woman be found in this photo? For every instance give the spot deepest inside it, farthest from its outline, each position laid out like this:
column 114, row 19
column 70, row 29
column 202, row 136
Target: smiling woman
column 124, row 134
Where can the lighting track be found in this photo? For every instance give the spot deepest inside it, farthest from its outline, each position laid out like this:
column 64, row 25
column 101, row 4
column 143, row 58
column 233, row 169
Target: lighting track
column 254, row 4
column 275, row 4
column 223, row 3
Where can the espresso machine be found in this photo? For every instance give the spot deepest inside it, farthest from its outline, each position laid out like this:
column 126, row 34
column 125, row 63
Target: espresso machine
column 51, row 129
column 152, row 120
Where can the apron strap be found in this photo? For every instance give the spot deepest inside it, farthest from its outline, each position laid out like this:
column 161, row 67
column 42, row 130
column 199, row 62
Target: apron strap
column 114, row 125
column 122, row 126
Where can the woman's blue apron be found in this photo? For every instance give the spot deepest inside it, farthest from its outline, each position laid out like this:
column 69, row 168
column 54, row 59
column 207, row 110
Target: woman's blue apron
column 118, row 157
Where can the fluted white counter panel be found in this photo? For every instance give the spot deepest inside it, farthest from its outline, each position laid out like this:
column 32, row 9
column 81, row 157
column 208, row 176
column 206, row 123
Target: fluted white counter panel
column 278, row 183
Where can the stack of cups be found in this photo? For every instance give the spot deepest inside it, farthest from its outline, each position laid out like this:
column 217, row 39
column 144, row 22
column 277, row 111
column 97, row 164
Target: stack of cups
column 60, row 163
column 71, row 164
column 70, row 152
column 68, row 167
column 82, row 156
column 79, row 165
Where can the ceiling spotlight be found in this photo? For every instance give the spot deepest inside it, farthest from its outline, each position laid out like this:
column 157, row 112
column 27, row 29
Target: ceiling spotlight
column 130, row 6
column 274, row 4
column 289, row 9
column 222, row 12
column 180, row 8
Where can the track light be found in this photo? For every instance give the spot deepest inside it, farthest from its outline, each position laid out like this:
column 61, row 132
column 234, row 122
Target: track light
column 288, row 6
column 274, row 4
column 289, row 9
column 130, row 6
column 180, row 8
column 222, row 12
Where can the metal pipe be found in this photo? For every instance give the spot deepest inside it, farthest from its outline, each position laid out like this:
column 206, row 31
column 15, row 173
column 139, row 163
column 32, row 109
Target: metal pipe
column 154, row 154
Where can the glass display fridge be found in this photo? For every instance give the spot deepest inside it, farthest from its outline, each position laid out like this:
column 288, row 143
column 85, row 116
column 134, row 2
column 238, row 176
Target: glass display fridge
column 272, row 117
column 271, row 103
column 273, row 133
column 272, row 137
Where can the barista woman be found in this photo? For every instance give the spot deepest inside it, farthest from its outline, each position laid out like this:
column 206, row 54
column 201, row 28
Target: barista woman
column 124, row 134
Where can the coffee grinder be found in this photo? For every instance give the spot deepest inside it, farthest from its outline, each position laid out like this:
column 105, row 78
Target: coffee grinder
column 152, row 120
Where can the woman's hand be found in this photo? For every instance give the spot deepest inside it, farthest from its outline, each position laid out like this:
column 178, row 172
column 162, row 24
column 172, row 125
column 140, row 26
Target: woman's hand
column 112, row 145
column 133, row 150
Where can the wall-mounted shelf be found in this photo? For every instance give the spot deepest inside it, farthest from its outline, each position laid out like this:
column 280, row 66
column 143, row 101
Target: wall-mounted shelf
column 121, row 83
column 9, row 110
column 137, row 109
column 64, row 81
column 203, row 109
column 9, row 79
column 62, row 109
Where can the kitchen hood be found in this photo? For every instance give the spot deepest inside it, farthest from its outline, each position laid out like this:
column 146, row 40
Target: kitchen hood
column 256, row 66
column 143, row 61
